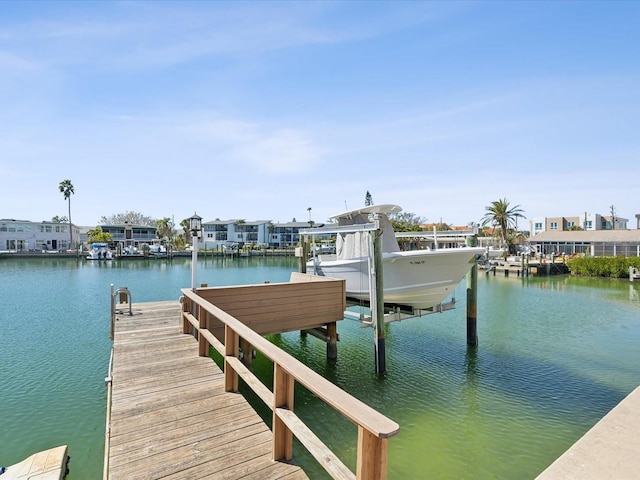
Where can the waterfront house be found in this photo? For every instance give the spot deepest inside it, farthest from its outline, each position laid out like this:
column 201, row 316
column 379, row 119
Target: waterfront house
column 596, row 243
column 128, row 235
column 25, row 235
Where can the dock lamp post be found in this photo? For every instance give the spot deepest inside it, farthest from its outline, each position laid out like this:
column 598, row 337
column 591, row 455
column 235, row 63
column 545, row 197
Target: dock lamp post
column 195, row 225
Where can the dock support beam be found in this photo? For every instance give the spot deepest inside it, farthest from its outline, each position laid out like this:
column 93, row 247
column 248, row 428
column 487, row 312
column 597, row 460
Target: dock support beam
column 472, row 298
column 377, row 306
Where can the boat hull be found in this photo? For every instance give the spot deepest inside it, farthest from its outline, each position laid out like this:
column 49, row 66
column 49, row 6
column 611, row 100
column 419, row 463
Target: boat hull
column 420, row 279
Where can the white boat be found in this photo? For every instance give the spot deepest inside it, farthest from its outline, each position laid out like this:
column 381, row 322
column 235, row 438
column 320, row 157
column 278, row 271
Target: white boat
column 420, row 279
column 492, row 252
column 230, row 248
column 99, row 251
column 158, row 249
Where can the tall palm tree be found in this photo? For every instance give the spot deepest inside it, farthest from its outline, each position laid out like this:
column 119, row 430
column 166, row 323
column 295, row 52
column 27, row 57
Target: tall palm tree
column 67, row 190
column 501, row 214
column 240, row 224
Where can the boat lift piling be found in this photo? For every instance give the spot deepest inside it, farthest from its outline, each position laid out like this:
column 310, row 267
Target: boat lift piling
column 377, row 297
column 472, row 297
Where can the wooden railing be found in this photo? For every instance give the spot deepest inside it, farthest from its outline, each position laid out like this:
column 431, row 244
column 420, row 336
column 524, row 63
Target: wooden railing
column 374, row 429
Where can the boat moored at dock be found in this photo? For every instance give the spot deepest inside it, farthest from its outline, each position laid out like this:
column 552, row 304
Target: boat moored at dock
column 420, row 279
column 99, row 251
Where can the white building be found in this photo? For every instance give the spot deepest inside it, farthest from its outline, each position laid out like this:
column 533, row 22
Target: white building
column 218, row 232
column 259, row 232
column 24, row 235
column 588, row 221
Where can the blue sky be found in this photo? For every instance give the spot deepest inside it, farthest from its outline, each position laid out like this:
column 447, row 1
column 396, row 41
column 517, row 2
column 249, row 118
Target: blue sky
column 260, row 110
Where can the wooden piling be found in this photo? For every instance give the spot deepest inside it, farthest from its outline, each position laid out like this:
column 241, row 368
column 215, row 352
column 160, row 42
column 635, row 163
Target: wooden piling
column 332, row 342
column 304, row 244
column 472, row 298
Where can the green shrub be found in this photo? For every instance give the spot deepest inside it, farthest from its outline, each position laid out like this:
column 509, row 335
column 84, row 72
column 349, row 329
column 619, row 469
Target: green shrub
column 614, row 267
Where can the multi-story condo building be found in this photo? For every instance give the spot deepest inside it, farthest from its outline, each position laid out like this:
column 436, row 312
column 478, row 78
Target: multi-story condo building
column 128, row 235
column 259, row 232
column 24, row 235
column 219, row 232
column 591, row 221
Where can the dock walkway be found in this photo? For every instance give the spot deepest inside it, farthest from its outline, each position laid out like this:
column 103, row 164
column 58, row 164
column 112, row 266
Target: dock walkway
column 169, row 415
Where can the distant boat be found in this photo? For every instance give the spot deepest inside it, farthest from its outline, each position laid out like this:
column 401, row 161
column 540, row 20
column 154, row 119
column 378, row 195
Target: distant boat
column 420, row 279
column 99, row 251
column 230, row 248
column 158, row 250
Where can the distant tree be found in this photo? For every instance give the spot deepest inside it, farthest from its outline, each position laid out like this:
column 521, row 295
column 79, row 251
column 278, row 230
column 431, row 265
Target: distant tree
column 134, row 218
column 575, row 228
column 406, row 222
column 58, row 219
column 66, row 188
column 96, row 235
column 500, row 214
column 165, row 228
column 186, row 233
column 368, row 199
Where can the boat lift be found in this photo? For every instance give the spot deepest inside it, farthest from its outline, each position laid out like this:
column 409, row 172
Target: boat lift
column 381, row 313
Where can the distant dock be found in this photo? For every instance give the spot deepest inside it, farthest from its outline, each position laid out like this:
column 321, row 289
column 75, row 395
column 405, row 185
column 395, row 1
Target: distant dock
column 524, row 267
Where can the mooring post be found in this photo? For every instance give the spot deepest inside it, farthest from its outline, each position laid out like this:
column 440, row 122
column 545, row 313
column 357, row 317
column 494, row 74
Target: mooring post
column 377, row 301
column 304, row 255
column 472, row 298
column 332, row 341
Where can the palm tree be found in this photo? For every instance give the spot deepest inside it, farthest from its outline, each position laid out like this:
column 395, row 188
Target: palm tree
column 165, row 229
column 501, row 214
column 240, row 224
column 67, row 190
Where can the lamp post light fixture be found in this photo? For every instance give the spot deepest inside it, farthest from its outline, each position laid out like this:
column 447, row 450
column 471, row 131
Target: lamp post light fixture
column 195, row 226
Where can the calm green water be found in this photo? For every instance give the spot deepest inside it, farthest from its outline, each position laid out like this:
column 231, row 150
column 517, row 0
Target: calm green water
column 555, row 355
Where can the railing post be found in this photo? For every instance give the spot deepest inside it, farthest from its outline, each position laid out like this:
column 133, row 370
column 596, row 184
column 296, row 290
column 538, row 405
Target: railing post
column 283, row 386
column 230, row 350
column 186, row 307
column 203, row 345
column 372, row 456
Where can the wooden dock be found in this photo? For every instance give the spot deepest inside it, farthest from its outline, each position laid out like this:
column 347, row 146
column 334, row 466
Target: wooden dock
column 525, row 268
column 169, row 415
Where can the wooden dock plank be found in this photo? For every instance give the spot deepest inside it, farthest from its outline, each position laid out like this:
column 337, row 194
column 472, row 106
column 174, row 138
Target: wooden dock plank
column 170, row 414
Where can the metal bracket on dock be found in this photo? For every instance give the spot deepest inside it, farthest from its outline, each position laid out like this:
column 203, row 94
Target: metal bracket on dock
column 123, row 293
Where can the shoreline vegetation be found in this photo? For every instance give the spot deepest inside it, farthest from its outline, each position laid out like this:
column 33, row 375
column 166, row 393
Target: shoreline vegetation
column 610, row 267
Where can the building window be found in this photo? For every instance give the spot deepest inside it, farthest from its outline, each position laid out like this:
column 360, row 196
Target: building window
column 553, row 226
column 571, row 224
column 588, row 225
